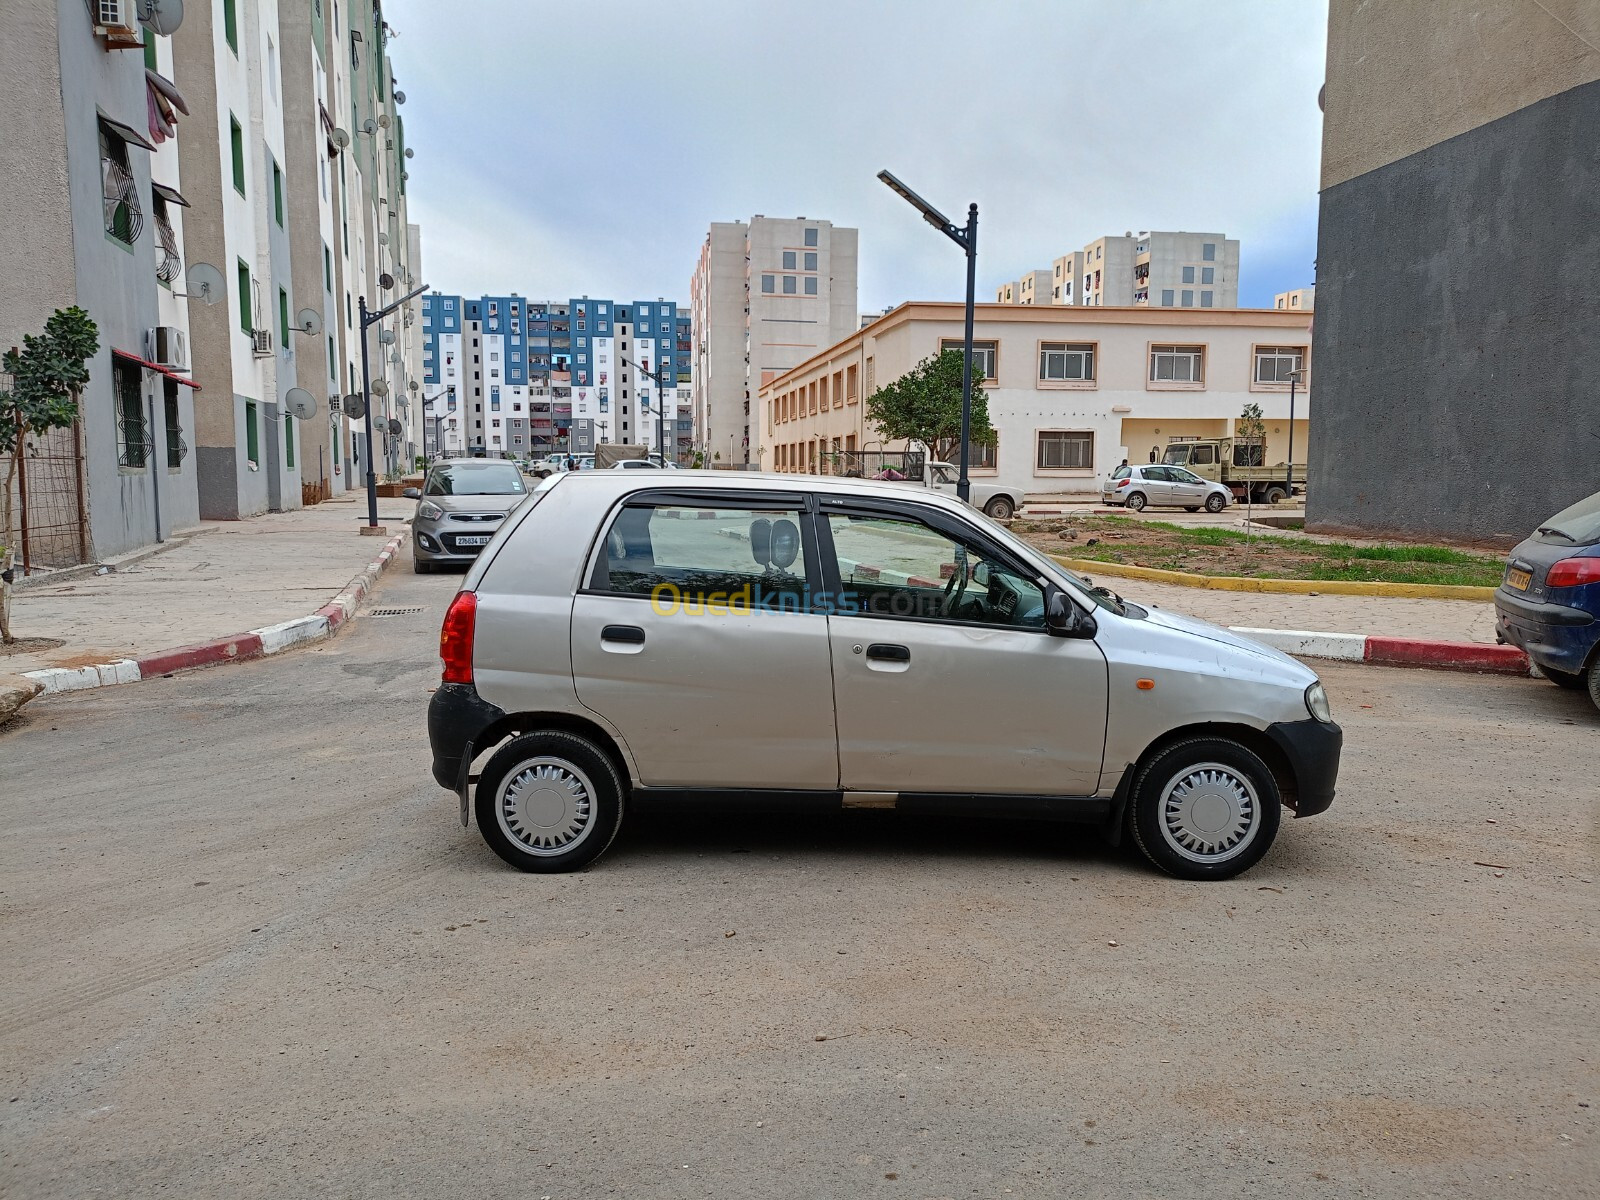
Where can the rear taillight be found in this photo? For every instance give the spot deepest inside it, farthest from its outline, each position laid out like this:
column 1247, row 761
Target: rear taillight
column 455, row 637
column 1573, row 572
column 1124, row 483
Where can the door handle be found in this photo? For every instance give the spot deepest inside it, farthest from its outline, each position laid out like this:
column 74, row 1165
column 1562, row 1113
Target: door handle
column 887, row 652
column 631, row 634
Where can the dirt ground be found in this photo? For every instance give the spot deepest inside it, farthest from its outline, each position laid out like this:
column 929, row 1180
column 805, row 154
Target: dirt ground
column 250, row 952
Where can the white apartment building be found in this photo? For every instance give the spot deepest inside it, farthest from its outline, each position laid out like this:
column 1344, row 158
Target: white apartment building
column 1296, row 299
column 765, row 296
column 1153, row 269
column 1072, row 391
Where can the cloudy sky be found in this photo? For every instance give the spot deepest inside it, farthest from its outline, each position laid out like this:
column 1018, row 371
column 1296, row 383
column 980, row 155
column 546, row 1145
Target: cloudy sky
column 568, row 147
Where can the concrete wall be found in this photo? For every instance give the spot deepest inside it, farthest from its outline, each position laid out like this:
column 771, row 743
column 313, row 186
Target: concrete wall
column 1458, row 367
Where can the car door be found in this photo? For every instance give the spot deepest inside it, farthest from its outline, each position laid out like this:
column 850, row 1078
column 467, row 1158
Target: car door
column 948, row 687
column 1188, row 488
column 694, row 638
column 1154, row 483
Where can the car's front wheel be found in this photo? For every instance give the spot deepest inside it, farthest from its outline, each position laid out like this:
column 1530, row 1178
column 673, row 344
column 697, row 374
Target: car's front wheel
column 1000, row 508
column 1136, row 501
column 1216, row 502
column 1205, row 808
column 549, row 801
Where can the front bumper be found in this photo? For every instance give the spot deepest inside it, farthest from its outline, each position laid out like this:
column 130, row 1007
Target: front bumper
column 437, row 546
column 457, row 719
column 1312, row 748
column 1553, row 635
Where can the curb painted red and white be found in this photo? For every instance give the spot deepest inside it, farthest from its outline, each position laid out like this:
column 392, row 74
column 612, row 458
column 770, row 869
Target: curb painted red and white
column 1395, row 652
column 270, row 639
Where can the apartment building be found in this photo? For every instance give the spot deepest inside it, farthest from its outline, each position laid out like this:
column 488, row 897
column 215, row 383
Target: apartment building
column 1153, row 269
column 1032, row 288
column 510, row 377
column 766, row 295
column 90, row 182
column 1295, row 299
column 1072, row 391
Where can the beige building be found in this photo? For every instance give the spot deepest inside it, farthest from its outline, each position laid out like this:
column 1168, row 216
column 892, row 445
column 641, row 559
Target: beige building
column 1072, row 391
column 1032, row 288
column 1296, row 299
column 1153, row 269
column 765, row 296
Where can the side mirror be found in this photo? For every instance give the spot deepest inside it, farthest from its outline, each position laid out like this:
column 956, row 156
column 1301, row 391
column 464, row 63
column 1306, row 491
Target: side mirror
column 1062, row 618
column 412, row 494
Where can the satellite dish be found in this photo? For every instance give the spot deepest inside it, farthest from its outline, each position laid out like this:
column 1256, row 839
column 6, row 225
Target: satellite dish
column 405, row 174
column 183, row 448
column 205, row 283
column 368, row 127
column 301, row 403
column 341, row 139
column 395, row 428
column 308, row 320
column 386, row 336
column 410, row 153
column 386, row 281
column 412, row 386
column 399, row 97
column 383, row 120
column 380, row 388
column 161, row 17
column 355, row 406
column 383, row 238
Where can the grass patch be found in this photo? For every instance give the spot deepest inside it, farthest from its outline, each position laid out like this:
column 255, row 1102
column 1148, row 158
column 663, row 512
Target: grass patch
column 1209, row 550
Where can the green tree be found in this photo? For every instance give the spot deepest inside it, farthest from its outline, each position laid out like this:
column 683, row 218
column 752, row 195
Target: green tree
column 47, row 379
column 924, row 404
column 1252, row 430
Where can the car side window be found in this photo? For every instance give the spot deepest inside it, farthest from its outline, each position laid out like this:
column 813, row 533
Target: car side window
column 718, row 555
column 1122, row 473
column 901, row 567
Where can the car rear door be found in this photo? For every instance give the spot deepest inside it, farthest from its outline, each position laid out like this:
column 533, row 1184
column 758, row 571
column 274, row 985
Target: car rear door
column 1188, row 488
column 693, row 637
column 945, row 688
column 1155, row 484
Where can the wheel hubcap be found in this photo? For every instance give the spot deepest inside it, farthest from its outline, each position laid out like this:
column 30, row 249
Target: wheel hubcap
column 1209, row 813
column 546, row 806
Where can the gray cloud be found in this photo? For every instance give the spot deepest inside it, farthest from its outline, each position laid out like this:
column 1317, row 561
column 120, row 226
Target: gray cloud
column 581, row 147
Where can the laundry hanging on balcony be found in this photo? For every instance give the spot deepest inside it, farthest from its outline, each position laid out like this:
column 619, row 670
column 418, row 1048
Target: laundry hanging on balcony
column 163, row 103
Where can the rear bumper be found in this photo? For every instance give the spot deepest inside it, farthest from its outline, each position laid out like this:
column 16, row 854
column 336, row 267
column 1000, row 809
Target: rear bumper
column 1312, row 748
column 457, row 718
column 1553, row 635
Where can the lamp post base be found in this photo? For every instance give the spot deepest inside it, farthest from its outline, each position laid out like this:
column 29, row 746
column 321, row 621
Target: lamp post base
column 374, row 530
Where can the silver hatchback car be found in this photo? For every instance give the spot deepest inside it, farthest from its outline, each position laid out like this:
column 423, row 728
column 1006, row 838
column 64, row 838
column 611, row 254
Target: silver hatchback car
column 630, row 640
column 1161, row 486
column 459, row 506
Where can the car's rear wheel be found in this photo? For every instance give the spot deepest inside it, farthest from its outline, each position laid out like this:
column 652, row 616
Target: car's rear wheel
column 549, row 801
column 1594, row 684
column 1000, row 508
column 1136, row 501
column 1567, row 679
column 1216, row 502
column 1205, row 808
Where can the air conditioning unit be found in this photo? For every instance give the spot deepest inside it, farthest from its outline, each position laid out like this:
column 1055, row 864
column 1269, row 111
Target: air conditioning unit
column 117, row 22
column 263, row 342
column 166, row 346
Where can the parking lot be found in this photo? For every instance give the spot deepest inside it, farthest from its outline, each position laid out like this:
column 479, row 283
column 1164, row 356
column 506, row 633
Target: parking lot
column 251, row 952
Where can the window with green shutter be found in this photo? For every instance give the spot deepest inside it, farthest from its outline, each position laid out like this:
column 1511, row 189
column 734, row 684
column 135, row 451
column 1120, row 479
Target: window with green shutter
column 327, row 268
column 288, row 441
column 149, row 51
column 230, row 24
column 252, row 438
column 246, row 316
column 236, row 144
column 283, row 318
column 277, row 193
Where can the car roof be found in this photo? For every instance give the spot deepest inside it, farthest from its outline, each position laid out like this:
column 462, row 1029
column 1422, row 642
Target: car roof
column 619, row 483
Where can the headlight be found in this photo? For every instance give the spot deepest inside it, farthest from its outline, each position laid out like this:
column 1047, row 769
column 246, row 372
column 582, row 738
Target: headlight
column 429, row 511
column 1317, row 703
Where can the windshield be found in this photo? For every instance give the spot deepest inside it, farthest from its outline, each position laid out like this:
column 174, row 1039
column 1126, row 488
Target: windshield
column 1056, row 572
column 943, row 473
column 1176, row 454
column 1578, row 525
column 1122, row 473
column 475, row 479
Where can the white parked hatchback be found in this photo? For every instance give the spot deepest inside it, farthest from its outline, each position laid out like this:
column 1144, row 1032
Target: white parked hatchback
column 631, row 640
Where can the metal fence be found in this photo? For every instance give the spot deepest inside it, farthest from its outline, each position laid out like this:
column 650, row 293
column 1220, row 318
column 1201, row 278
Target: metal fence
column 49, row 501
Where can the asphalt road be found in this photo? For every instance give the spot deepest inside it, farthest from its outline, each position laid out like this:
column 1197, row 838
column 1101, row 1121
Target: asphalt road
column 249, row 951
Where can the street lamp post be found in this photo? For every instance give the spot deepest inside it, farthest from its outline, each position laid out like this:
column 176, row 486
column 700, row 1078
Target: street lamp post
column 661, row 408
column 369, row 319
column 967, row 238
column 1288, row 474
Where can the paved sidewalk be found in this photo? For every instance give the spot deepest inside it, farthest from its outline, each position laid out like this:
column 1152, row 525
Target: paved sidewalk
column 1371, row 616
column 229, row 577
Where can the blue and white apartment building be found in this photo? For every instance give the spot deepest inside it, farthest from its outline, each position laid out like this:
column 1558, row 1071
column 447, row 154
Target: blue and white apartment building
column 509, row 377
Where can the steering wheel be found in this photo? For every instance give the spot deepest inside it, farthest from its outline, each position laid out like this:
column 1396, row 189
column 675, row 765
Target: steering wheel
column 953, row 593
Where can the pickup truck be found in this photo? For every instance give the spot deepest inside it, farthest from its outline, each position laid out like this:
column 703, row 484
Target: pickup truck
column 1237, row 464
column 993, row 499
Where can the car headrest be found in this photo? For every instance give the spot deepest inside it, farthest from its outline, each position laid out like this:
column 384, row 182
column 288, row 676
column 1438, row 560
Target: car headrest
column 785, row 543
column 761, row 541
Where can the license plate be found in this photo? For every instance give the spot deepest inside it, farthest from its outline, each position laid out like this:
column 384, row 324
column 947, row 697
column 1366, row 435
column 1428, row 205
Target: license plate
column 1519, row 579
column 472, row 539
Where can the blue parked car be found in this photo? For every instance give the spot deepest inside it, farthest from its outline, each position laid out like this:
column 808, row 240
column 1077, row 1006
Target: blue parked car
column 1549, row 601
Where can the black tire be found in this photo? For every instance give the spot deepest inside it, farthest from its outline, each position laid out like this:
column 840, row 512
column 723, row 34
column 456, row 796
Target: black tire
column 1216, row 502
column 1594, row 683
column 1274, row 494
column 1000, row 508
column 1259, row 813
column 1135, row 502
column 578, row 759
column 1567, row 679
column 421, row 568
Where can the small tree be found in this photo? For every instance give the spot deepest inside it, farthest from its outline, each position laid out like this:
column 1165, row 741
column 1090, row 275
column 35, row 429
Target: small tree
column 924, row 405
column 47, row 378
column 1251, row 430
